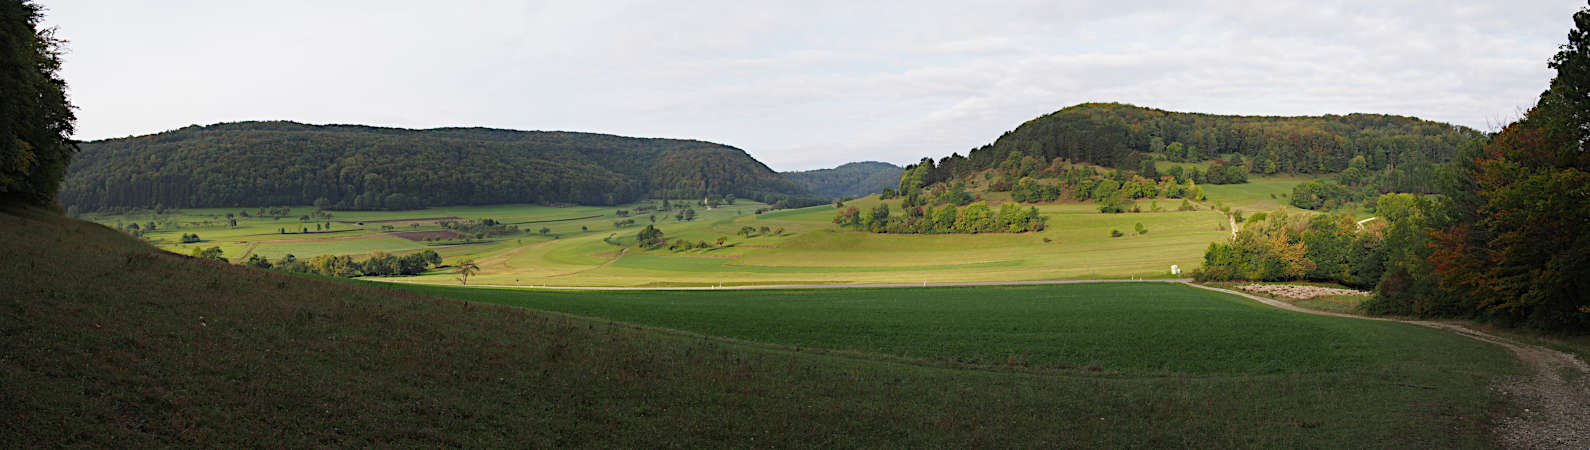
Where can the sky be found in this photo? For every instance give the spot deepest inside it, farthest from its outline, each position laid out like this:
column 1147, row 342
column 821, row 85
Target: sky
column 801, row 84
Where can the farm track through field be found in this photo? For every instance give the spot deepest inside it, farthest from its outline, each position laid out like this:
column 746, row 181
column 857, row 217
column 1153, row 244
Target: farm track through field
column 555, row 220
column 418, row 219
column 338, row 238
column 588, row 269
column 503, row 257
column 248, row 251
column 1553, row 403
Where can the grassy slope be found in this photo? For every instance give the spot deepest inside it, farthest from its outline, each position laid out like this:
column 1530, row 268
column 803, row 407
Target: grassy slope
column 110, row 343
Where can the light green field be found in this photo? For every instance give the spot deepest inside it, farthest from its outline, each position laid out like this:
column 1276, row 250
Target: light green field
column 813, row 250
column 1266, row 194
column 1076, row 245
column 261, row 235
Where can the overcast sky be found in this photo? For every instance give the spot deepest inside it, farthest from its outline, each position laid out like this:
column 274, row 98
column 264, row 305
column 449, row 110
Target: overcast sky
column 800, row 84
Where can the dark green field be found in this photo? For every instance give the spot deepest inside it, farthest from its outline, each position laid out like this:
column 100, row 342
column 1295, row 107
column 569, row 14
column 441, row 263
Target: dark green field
column 111, row 343
column 1134, row 328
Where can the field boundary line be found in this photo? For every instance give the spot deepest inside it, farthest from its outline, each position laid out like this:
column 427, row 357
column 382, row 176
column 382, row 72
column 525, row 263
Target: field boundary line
column 811, row 286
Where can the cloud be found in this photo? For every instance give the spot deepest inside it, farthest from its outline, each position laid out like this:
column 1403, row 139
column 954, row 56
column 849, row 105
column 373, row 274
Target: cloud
column 799, row 85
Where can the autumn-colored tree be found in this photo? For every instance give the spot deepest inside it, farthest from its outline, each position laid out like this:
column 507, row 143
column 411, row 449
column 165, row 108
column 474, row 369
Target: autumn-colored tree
column 1516, row 245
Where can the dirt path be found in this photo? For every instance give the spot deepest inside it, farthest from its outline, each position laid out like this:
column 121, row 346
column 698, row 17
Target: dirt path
column 503, row 257
column 248, row 251
column 1553, row 403
column 417, row 219
column 588, row 269
column 338, row 238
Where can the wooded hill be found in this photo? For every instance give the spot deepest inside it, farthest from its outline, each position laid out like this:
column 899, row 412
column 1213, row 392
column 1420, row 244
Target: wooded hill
column 853, row 180
column 1124, row 136
column 363, row 167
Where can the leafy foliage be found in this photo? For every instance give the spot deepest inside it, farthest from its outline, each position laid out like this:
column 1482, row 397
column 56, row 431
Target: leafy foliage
column 651, row 237
column 361, row 168
column 977, row 217
column 1514, row 244
column 36, row 120
column 379, row 263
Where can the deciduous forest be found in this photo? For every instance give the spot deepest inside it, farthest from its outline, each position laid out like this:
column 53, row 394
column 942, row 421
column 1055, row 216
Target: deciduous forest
column 362, row 168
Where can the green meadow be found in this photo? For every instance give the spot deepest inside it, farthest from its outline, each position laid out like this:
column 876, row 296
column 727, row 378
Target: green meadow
column 583, row 246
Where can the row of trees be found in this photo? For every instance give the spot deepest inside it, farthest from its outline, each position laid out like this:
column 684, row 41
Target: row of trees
column 977, row 217
column 377, row 264
column 481, row 228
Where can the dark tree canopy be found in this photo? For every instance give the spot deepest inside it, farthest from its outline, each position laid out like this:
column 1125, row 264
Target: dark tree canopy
column 361, row 167
column 36, row 120
column 1122, row 136
column 854, row 180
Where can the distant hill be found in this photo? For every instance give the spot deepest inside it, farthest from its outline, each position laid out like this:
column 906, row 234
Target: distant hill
column 1123, row 136
column 857, row 179
column 363, row 167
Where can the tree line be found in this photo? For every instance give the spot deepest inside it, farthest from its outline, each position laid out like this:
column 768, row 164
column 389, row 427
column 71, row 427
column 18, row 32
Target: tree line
column 377, row 264
column 977, row 217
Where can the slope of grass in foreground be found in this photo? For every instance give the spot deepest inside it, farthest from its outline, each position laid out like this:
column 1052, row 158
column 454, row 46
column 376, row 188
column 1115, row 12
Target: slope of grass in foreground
column 1131, row 328
column 109, row 343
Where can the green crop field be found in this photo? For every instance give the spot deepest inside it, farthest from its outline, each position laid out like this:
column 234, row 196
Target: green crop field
column 1166, row 346
column 1135, row 328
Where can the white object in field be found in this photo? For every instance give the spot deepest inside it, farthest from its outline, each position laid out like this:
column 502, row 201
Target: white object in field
column 1175, row 269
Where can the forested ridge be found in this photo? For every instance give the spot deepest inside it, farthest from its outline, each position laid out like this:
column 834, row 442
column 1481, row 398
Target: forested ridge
column 1126, row 137
column 364, row 167
column 854, row 180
